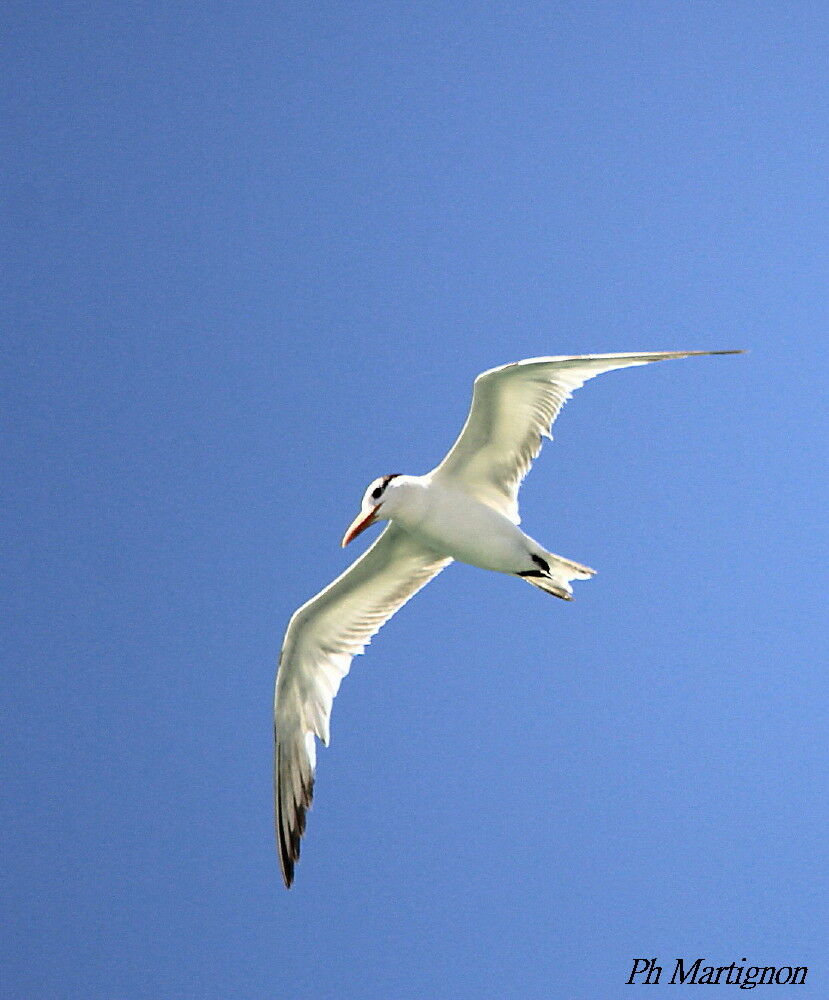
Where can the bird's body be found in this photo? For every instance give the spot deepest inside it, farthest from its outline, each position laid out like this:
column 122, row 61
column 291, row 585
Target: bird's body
column 465, row 509
column 454, row 524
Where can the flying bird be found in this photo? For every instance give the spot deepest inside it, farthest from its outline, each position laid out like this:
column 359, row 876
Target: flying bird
column 466, row 509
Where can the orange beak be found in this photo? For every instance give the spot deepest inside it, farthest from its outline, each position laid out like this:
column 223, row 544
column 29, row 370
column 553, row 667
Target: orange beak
column 359, row 525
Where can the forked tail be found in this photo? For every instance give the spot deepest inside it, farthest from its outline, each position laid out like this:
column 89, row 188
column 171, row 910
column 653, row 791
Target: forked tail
column 554, row 574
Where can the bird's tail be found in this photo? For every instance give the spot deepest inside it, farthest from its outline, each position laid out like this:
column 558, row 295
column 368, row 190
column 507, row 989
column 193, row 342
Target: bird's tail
column 554, row 574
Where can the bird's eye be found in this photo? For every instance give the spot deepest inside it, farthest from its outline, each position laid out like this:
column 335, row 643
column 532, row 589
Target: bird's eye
column 376, row 493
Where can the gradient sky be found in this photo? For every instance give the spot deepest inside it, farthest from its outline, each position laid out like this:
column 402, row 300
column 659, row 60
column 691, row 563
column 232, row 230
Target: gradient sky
column 254, row 255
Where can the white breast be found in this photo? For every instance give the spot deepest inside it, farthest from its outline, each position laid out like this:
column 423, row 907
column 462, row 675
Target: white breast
column 455, row 524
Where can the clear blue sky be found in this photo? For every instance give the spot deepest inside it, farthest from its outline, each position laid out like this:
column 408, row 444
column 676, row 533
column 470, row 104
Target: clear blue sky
column 253, row 256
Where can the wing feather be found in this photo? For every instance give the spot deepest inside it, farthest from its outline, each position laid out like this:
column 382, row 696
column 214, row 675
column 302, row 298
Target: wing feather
column 513, row 409
column 322, row 637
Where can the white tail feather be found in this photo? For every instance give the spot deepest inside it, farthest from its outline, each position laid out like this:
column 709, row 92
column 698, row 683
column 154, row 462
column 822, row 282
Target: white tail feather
column 561, row 572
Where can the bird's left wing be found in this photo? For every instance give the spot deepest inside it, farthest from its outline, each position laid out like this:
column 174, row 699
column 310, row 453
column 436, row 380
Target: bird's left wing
column 321, row 639
column 513, row 408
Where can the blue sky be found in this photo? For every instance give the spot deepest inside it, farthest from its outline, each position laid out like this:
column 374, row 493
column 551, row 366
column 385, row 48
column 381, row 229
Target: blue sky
column 254, row 255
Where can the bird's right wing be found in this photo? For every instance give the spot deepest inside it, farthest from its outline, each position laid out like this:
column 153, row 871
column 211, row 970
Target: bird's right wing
column 513, row 408
column 321, row 639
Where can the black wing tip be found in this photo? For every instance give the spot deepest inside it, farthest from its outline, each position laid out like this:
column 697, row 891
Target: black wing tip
column 289, row 846
column 671, row 355
column 288, row 853
column 287, row 870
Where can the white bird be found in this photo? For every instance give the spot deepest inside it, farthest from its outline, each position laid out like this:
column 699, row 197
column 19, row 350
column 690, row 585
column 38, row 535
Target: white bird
column 465, row 509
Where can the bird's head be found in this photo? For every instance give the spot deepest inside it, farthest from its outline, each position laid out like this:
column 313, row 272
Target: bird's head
column 375, row 506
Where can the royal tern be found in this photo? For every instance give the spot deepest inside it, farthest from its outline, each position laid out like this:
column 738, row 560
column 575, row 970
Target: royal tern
column 465, row 509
